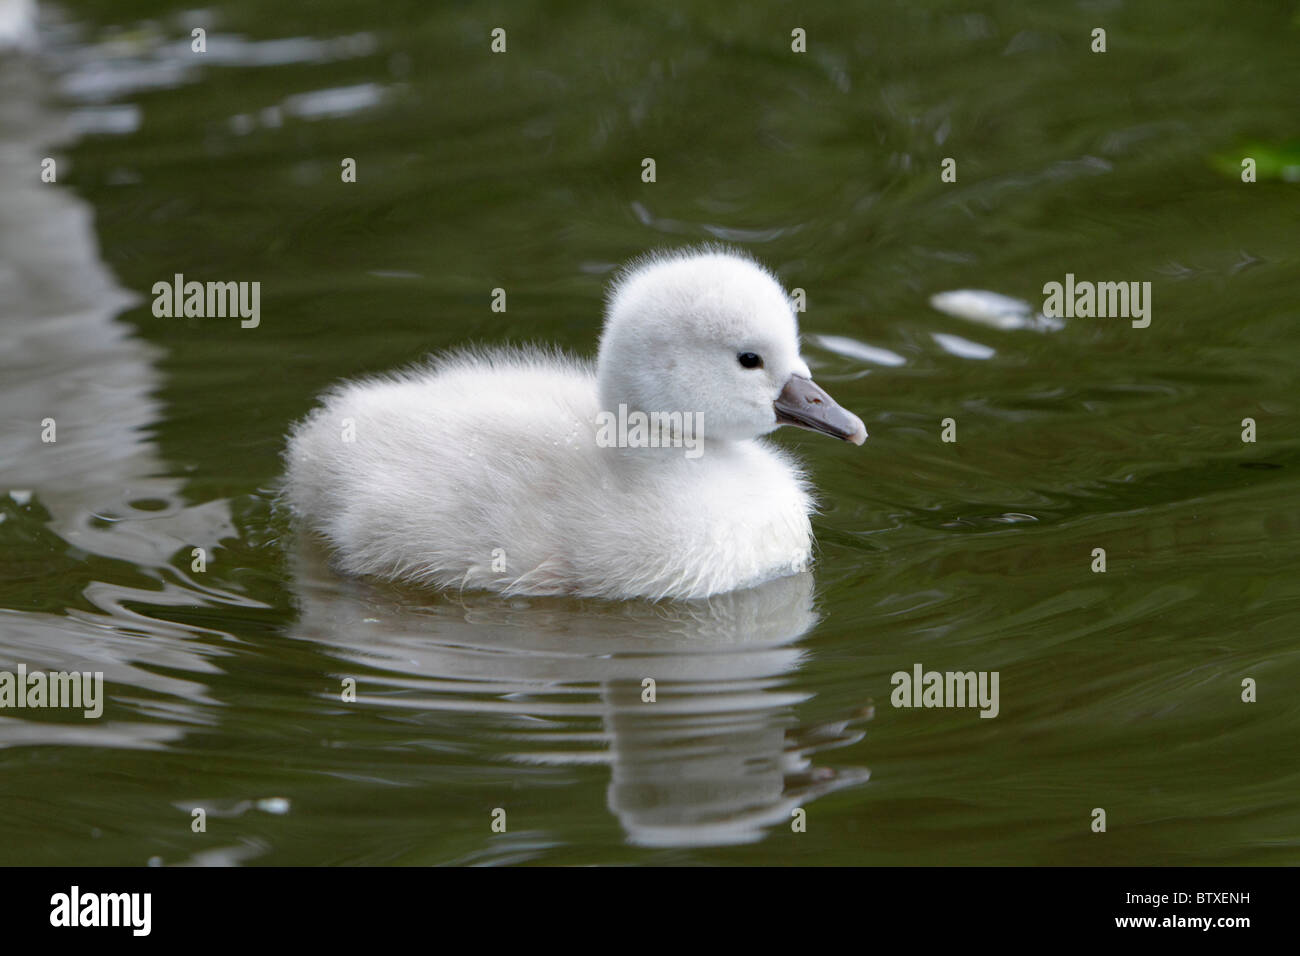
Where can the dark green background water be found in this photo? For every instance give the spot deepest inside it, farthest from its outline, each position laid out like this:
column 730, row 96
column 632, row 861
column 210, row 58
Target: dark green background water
column 1119, row 690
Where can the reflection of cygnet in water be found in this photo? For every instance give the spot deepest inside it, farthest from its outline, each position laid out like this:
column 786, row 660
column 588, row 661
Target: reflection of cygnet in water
column 716, row 757
column 709, row 764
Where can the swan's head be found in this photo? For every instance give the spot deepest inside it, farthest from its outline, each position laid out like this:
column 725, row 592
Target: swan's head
column 712, row 332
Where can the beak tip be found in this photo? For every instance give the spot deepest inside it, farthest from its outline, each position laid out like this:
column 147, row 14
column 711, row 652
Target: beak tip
column 803, row 403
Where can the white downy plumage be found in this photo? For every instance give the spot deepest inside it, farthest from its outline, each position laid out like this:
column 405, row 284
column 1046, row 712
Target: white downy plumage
column 491, row 469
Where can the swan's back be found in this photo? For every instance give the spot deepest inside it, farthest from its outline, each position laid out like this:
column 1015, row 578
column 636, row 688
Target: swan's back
column 440, row 473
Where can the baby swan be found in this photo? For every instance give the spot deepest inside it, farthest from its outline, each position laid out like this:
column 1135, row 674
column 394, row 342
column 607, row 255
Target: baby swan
column 528, row 472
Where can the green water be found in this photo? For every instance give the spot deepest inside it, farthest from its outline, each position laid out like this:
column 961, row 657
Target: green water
column 1119, row 690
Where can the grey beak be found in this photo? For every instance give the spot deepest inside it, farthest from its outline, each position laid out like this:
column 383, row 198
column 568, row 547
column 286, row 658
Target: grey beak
column 802, row 402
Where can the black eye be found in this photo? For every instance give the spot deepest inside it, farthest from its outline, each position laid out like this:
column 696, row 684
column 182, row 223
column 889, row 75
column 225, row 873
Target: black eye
column 750, row 360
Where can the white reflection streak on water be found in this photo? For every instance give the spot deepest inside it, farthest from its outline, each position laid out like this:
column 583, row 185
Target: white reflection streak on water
column 65, row 357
